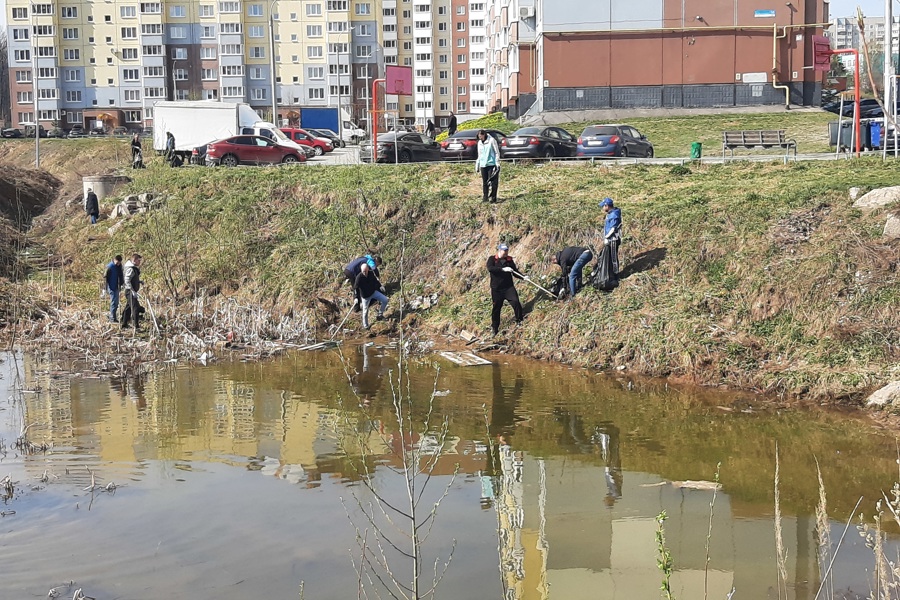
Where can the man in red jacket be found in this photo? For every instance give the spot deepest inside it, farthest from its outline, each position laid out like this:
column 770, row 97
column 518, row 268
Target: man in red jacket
column 501, row 267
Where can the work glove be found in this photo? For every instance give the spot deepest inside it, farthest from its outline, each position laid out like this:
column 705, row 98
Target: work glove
column 383, row 291
column 605, row 242
column 507, row 269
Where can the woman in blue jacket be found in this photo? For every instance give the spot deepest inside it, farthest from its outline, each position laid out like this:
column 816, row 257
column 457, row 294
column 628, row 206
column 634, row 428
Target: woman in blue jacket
column 612, row 230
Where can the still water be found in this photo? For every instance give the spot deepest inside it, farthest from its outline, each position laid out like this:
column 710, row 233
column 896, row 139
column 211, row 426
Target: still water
column 238, row 481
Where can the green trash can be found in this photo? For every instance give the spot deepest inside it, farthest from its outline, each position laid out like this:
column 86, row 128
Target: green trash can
column 696, row 151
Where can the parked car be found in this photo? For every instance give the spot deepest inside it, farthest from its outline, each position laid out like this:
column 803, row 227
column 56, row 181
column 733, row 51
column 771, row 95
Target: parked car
column 56, row 132
column 613, row 140
column 198, row 155
column 328, row 134
column 147, row 133
column 29, row 131
column 76, row 133
column 120, row 132
column 97, row 131
column 319, row 144
column 12, row 132
column 866, row 104
column 539, row 142
column 463, row 145
column 251, row 149
column 404, row 146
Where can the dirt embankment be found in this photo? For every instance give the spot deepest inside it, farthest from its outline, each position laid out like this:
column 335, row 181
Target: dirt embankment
column 761, row 277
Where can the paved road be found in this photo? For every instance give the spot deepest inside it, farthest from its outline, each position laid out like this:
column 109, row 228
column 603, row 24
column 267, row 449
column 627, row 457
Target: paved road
column 340, row 156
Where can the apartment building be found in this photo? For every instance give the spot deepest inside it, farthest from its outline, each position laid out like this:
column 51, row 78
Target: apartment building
column 845, row 34
column 110, row 62
column 571, row 54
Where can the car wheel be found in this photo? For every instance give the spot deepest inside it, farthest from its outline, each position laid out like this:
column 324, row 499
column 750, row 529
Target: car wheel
column 405, row 156
column 230, row 160
column 650, row 152
column 319, row 151
column 290, row 159
column 549, row 152
column 624, row 153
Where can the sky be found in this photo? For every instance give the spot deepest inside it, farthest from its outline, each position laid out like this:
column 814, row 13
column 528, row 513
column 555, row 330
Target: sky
column 847, row 8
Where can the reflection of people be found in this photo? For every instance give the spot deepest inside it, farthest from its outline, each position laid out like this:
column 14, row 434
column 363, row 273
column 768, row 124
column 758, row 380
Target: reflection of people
column 368, row 375
column 606, row 436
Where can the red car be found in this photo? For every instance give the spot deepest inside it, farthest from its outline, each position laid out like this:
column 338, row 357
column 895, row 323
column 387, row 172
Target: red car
column 250, row 150
column 304, row 138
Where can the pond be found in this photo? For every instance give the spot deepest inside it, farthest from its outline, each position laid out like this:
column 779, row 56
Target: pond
column 247, row 480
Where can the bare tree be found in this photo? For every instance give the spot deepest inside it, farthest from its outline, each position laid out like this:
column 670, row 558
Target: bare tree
column 5, row 101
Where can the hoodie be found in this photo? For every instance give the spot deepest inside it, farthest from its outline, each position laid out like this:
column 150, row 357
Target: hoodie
column 132, row 277
column 613, row 226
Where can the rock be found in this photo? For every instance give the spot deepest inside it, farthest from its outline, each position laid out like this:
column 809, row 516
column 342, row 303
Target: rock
column 878, row 198
column 131, row 199
column 892, row 227
column 120, row 210
column 145, row 198
column 854, row 193
column 117, row 226
column 889, row 395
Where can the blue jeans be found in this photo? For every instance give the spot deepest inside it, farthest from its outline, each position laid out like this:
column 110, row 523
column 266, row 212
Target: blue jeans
column 113, row 304
column 377, row 296
column 577, row 268
column 94, row 219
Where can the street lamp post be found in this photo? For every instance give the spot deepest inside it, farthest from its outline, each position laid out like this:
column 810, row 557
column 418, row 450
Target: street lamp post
column 272, row 62
column 34, row 92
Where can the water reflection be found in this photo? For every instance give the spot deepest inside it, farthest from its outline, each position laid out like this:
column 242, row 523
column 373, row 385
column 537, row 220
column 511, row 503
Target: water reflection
column 564, row 474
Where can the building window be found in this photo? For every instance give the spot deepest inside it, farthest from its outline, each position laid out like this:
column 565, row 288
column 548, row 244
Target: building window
column 151, row 8
column 256, row 31
column 461, row 90
column 179, row 74
column 46, row 51
column 48, row 94
column 129, row 53
column 230, row 7
column 153, row 72
column 152, row 29
column 210, row 94
column 255, row 10
column 208, row 53
column 343, row 90
column 477, row 7
column 477, row 104
column 314, row 52
column 257, row 52
column 42, row 9
column 132, row 95
column 461, row 58
column 316, row 93
column 130, row 33
column 179, row 53
column 232, row 49
column 24, row 97
column 233, row 91
column 74, row 116
column 208, row 32
column 71, row 54
column 363, row 51
column 258, row 94
column 153, row 50
column 423, row 89
column 25, row 77
column 477, row 72
column 476, row 23
column 21, row 33
column 69, row 12
column 442, row 59
column 477, row 56
column 338, row 48
column 313, row 31
column 207, row 10
column 461, row 43
column 257, row 73
column 460, row 10
column 177, row 11
column 389, row 12
column 132, row 116
column 43, row 30
column 49, row 115
column 209, row 74
column 131, row 74
column 128, row 12
column 47, row 73
column 460, row 74
column 338, row 26
column 461, row 107
column 315, row 72
column 177, row 32
column 19, row 14
column 313, row 10
column 233, row 70
column 442, row 10
column 26, row 117
column 154, row 92
column 461, row 26
column 363, row 8
column 423, row 56
column 231, row 28
column 334, row 5
column 423, row 105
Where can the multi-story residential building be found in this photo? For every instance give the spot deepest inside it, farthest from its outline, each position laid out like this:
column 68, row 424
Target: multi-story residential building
column 572, row 54
column 109, row 62
column 845, row 34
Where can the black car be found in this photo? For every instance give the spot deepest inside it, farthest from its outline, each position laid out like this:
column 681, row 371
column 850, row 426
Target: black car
column 613, row 140
column 328, row 134
column 463, row 145
column 539, row 142
column 56, row 132
column 404, row 146
column 12, row 132
column 865, row 105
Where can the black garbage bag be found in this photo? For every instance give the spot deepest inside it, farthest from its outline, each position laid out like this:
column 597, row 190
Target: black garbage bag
column 604, row 277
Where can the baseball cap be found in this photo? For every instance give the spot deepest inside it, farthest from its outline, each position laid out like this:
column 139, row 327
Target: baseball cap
column 606, row 202
column 503, row 247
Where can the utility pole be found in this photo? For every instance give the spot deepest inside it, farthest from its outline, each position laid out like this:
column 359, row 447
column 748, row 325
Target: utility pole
column 272, row 62
column 889, row 100
column 34, row 91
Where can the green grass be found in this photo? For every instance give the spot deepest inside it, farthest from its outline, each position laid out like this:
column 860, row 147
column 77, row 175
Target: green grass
column 731, row 302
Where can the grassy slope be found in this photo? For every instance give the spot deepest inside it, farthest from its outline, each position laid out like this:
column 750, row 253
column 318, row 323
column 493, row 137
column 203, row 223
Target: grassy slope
column 741, row 298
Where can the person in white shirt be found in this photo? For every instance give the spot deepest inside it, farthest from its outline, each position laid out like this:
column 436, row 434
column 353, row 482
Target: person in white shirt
column 488, row 162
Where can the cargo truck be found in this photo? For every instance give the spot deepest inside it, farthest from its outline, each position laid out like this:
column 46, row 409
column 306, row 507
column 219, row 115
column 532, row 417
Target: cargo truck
column 197, row 123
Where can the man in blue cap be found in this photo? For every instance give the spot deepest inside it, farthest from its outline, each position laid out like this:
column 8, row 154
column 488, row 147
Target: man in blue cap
column 501, row 266
column 612, row 230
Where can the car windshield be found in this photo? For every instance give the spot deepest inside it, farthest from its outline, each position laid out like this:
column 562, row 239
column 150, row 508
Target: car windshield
column 391, row 136
column 529, row 131
column 601, row 130
column 280, row 135
column 468, row 134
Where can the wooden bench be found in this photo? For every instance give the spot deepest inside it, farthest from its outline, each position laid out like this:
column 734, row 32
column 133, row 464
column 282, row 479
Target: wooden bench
column 758, row 138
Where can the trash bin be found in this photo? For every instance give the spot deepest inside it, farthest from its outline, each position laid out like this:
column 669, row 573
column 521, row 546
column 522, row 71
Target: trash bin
column 846, row 136
column 696, row 151
column 875, row 128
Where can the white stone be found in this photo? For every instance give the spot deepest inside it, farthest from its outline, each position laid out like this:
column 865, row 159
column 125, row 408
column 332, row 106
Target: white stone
column 889, row 395
column 117, row 226
column 878, row 198
column 892, row 227
column 854, row 193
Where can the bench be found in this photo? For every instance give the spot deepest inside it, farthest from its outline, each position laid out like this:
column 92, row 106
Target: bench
column 758, row 138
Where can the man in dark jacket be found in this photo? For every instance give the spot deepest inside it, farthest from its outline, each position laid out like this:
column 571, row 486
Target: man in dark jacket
column 501, row 267
column 132, row 281
column 92, row 206
column 352, row 269
column 369, row 289
column 115, row 279
column 572, row 261
column 452, row 128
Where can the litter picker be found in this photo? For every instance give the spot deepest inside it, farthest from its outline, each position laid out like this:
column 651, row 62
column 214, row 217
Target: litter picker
column 349, row 312
column 528, row 279
column 152, row 314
